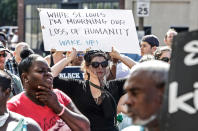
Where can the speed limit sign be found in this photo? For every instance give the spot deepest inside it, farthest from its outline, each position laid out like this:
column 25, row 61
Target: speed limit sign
column 143, row 8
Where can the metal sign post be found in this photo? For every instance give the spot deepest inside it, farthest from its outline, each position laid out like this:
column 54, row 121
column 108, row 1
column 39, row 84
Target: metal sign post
column 142, row 11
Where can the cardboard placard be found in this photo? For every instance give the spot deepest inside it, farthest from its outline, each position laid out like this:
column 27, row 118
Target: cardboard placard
column 63, row 29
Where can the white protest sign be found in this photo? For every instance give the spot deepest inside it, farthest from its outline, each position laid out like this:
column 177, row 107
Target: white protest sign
column 63, row 29
column 143, row 8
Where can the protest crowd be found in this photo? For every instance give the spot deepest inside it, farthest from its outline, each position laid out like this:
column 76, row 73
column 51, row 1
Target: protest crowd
column 105, row 91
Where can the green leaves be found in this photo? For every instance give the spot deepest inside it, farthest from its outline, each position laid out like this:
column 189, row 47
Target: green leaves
column 8, row 12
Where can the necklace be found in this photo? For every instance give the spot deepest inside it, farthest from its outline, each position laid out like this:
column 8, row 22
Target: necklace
column 3, row 119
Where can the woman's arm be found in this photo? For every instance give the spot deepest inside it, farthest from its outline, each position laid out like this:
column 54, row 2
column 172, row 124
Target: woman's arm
column 47, row 58
column 75, row 119
column 124, row 59
column 112, row 70
column 58, row 67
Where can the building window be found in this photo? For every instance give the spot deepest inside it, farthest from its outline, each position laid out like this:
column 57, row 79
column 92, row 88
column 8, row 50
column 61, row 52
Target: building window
column 115, row 5
column 85, row 5
column 92, row 5
column 28, row 31
column 100, row 5
column 33, row 34
column 107, row 5
column 28, row 11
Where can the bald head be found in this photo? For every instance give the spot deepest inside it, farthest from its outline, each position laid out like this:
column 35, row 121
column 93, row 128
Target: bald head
column 154, row 70
column 19, row 47
column 145, row 89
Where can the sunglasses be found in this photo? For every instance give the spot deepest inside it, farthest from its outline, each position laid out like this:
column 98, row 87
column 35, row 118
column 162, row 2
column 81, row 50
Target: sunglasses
column 80, row 54
column 3, row 55
column 165, row 59
column 97, row 64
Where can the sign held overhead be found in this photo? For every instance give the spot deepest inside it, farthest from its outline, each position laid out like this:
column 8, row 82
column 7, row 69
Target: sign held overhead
column 63, row 29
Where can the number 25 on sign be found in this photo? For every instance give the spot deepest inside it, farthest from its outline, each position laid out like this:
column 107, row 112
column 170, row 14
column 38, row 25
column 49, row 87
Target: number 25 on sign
column 143, row 8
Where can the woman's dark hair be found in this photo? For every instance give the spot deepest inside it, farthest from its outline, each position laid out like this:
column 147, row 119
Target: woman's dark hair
column 26, row 52
column 5, row 80
column 89, row 55
column 27, row 59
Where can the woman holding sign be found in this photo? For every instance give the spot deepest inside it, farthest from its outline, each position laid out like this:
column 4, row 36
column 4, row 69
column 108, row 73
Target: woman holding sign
column 94, row 97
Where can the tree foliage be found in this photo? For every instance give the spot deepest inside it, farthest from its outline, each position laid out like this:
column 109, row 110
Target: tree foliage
column 8, row 12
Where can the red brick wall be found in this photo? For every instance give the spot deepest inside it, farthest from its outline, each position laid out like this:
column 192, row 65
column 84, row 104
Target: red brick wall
column 122, row 4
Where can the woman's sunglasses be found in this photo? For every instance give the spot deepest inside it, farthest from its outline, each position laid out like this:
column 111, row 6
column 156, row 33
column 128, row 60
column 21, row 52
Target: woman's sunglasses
column 3, row 55
column 97, row 64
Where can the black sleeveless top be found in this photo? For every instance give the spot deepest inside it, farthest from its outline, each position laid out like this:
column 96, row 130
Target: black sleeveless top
column 80, row 93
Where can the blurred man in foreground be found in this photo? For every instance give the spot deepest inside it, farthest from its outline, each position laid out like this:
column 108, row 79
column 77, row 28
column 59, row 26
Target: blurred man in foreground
column 145, row 89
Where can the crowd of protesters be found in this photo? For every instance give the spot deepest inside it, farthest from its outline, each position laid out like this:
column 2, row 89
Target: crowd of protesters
column 116, row 92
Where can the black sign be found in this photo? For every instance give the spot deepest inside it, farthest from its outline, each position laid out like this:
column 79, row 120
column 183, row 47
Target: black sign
column 180, row 108
column 71, row 72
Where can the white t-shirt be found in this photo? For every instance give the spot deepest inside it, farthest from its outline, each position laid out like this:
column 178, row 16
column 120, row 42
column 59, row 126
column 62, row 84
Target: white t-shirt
column 122, row 71
column 133, row 128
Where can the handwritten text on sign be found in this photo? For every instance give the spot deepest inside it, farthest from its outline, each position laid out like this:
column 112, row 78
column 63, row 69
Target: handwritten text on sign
column 95, row 29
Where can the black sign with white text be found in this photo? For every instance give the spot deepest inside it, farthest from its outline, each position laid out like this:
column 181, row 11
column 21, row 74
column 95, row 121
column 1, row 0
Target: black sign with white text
column 71, row 72
column 180, row 107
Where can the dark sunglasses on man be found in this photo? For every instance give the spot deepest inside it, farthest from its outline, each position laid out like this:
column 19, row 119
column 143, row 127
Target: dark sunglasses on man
column 97, row 64
column 165, row 59
column 80, row 54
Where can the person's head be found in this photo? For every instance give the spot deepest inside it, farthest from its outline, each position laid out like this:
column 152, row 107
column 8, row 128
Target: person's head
column 149, row 44
column 26, row 52
column 5, row 88
column 3, row 38
column 19, row 47
column 96, row 62
column 34, row 71
column 79, row 59
column 163, row 53
column 145, row 87
column 3, row 55
column 168, row 39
